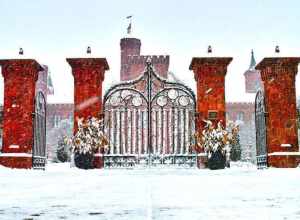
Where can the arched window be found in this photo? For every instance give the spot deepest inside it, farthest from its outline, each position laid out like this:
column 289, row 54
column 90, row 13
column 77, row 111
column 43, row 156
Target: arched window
column 240, row 116
column 56, row 119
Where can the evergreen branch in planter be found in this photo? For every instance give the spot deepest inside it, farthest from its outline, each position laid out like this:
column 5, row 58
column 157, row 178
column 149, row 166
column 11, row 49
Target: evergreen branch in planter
column 88, row 140
column 216, row 142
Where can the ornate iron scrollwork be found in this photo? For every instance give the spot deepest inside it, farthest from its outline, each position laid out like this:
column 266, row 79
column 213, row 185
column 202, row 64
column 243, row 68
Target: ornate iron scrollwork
column 39, row 146
column 149, row 121
column 261, row 130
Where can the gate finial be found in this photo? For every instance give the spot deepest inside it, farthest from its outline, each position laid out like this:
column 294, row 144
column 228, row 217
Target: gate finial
column 149, row 61
column 21, row 51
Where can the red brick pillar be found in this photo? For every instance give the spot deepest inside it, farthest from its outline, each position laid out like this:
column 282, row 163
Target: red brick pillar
column 278, row 76
column 88, row 78
column 209, row 73
column 20, row 76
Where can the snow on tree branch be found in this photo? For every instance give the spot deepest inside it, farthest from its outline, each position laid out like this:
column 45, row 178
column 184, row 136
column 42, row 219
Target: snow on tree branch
column 89, row 137
column 213, row 139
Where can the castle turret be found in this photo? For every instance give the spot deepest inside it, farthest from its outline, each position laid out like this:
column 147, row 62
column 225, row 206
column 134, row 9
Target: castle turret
column 252, row 77
column 129, row 47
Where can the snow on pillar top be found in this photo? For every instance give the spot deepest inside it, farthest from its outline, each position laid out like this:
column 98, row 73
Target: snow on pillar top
column 88, row 62
column 272, row 66
column 219, row 64
column 16, row 64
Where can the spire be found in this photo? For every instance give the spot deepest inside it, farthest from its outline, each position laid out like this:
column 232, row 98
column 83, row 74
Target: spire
column 252, row 62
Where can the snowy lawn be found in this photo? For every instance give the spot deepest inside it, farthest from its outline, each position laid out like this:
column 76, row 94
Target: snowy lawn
column 62, row 192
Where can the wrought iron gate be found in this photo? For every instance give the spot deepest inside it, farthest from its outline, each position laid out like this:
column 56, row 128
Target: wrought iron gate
column 149, row 121
column 261, row 132
column 39, row 146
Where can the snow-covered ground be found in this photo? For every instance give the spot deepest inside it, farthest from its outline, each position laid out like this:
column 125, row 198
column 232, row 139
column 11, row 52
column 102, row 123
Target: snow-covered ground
column 62, row 192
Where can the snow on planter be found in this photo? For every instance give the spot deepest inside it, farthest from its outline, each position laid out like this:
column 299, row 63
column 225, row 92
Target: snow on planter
column 216, row 143
column 88, row 140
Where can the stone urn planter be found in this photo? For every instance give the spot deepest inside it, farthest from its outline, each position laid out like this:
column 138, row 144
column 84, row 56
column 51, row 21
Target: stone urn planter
column 216, row 143
column 84, row 161
column 217, row 160
column 88, row 140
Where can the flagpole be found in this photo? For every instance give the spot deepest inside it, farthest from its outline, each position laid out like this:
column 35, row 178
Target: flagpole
column 130, row 24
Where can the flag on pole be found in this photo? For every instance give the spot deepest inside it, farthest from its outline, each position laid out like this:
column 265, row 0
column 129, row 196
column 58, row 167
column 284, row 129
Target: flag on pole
column 129, row 28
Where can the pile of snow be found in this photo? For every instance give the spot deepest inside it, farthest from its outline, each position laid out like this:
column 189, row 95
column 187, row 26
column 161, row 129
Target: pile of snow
column 61, row 192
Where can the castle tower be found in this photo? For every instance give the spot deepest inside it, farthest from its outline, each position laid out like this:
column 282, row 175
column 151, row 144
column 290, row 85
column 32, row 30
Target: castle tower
column 252, row 77
column 133, row 64
column 129, row 47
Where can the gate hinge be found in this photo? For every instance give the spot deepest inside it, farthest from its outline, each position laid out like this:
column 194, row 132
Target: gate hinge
column 266, row 114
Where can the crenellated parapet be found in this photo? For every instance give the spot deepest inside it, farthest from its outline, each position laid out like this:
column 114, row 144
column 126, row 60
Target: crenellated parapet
column 243, row 105
column 161, row 59
column 59, row 106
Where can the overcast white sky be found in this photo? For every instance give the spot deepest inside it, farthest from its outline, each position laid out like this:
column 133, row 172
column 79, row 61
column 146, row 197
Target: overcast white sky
column 51, row 30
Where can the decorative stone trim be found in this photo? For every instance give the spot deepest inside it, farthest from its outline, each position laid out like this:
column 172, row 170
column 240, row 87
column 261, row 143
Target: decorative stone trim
column 285, row 145
column 284, row 154
column 15, row 155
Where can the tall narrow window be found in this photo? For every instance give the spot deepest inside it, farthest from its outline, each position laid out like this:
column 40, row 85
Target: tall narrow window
column 241, row 116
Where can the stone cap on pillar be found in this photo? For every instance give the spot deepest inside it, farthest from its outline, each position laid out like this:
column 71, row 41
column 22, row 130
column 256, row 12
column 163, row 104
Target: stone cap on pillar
column 88, row 62
column 278, row 61
column 219, row 62
column 197, row 61
column 275, row 65
column 23, row 63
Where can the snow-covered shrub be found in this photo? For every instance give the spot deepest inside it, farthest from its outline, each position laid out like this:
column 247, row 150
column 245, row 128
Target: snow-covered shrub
column 216, row 142
column 235, row 145
column 236, row 151
column 63, row 149
column 89, row 139
column 54, row 136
